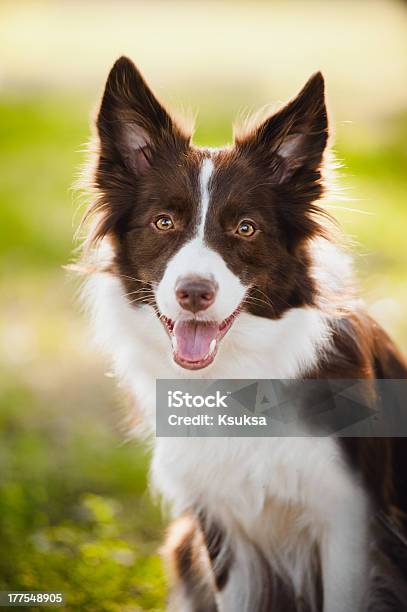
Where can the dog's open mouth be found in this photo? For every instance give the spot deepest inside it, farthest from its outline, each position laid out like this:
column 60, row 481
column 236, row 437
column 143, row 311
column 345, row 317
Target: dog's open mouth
column 194, row 342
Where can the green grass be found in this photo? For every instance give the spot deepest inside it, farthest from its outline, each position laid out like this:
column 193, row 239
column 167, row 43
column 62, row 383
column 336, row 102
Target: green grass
column 75, row 511
column 40, row 140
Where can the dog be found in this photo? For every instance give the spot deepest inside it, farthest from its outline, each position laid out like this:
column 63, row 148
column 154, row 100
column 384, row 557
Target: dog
column 223, row 263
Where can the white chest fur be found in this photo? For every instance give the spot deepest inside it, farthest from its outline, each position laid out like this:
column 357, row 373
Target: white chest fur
column 285, row 494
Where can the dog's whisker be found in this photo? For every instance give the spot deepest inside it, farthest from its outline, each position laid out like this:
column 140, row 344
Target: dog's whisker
column 137, row 280
column 258, row 299
column 262, row 293
column 258, row 302
column 144, row 296
column 142, row 290
column 278, row 296
column 255, row 299
column 141, row 300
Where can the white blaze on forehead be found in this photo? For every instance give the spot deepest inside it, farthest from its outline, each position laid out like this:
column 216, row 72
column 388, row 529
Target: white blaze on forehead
column 195, row 258
column 204, row 179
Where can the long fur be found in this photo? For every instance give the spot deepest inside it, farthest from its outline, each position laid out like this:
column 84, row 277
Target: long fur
column 300, row 524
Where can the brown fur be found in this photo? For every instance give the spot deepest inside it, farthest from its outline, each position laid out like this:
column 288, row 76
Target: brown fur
column 252, row 179
column 186, row 557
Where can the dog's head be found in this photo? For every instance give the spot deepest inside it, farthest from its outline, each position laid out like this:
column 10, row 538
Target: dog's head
column 202, row 235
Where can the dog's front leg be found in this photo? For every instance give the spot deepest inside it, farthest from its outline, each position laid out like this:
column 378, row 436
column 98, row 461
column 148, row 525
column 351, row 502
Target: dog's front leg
column 253, row 585
column 193, row 585
column 344, row 555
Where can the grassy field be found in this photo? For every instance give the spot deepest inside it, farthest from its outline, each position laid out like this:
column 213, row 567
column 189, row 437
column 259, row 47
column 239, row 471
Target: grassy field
column 75, row 512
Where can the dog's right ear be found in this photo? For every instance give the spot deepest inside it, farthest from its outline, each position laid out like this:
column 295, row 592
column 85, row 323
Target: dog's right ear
column 131, row 122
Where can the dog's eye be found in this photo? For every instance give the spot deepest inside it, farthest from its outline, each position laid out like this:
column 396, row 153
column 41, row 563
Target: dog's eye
column 245, row 229
column 164, row 223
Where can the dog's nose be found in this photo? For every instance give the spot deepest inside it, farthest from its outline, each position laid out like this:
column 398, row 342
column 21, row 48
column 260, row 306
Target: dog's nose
column 195, row 294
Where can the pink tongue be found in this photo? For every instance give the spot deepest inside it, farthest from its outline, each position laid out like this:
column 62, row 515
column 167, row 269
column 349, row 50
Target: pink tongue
column 194, row 339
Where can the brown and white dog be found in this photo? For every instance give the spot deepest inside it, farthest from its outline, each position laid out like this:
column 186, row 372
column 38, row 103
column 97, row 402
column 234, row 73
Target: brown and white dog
column 218, row 264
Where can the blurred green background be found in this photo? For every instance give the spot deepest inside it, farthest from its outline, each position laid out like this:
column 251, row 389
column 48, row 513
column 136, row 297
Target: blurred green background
column 75, row 512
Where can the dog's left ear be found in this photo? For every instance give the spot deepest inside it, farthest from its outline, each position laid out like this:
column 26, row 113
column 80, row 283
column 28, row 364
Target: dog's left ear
column 132, row 124
column 295, row 137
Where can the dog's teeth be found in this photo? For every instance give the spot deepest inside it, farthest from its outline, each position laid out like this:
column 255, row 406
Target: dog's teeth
column 212, row 346
column 174, row 342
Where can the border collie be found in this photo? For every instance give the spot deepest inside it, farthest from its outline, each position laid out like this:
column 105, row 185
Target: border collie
column 220, row 263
